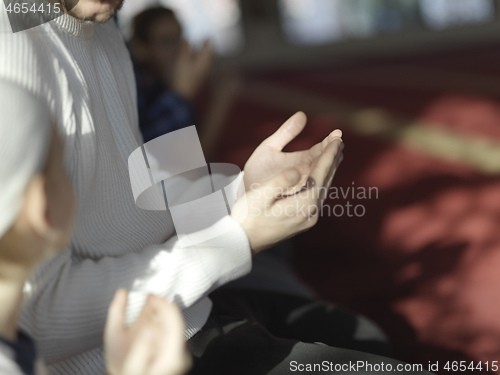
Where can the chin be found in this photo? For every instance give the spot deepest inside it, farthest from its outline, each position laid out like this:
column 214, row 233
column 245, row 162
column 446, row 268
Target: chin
column 100, row 11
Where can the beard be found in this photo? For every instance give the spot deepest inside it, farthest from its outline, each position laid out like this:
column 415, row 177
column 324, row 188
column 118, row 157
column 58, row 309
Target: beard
column 99, row 11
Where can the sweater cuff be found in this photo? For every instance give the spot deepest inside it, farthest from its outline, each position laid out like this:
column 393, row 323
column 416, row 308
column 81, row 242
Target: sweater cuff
column 230, row 255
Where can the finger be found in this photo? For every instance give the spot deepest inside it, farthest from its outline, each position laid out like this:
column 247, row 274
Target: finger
column 172, row 365
column 338, row 159
column 323, row 167
column 331, row 175
column 337, row 133
column 140, row 355
column 278, row 186
column 287, row 132
column 174, row 355
column 159, row 312
column 116, row 313
column 169, row 322
column 318, row 148
column 146, row 316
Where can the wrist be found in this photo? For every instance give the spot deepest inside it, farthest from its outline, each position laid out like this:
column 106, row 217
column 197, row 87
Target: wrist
column 246, row 228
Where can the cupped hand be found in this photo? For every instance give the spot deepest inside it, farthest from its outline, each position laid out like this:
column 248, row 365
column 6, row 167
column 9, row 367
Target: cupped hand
column 285, row 191
column 153, row 345
column 268, row 159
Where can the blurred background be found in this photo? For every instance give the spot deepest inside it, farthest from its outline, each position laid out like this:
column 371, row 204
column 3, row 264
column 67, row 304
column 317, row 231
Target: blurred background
column 415, row 87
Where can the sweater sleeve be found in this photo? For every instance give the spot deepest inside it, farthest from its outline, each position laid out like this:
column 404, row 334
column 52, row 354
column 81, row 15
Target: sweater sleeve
column 67, row 309
column 67, row 299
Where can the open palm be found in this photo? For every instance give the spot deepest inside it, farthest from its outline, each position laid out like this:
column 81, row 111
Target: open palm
column 268, row 159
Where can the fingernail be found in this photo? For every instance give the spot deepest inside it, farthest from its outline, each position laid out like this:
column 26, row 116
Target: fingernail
column 337, row 133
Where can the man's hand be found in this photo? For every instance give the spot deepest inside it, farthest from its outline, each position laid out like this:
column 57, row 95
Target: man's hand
column 191, row 70
column 153, row 345
column 268, row 160
column 285, row 191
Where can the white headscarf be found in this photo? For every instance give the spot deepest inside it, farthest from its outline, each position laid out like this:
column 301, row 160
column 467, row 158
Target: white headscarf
column 25, row 134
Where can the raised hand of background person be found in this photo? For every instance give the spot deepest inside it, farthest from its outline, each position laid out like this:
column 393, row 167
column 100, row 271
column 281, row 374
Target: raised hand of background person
column 153, row 345
column 191, row 69
column 285, row 191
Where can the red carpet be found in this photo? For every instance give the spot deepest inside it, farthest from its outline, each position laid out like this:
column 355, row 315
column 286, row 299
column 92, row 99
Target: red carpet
column 424, row 260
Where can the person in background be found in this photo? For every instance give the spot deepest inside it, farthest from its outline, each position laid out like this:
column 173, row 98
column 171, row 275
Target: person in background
column 37, row 210
column 169, row 76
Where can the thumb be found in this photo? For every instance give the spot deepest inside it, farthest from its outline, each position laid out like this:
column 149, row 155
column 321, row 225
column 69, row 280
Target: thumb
column 290, row 129
column 116, row 314
column 141, row 353
column 278, row 185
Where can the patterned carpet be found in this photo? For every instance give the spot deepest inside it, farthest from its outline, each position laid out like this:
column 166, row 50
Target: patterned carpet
column 424, row 259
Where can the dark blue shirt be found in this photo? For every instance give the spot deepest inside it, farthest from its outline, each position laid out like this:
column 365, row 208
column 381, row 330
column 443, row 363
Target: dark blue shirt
column 161, row 110
column 24, row 352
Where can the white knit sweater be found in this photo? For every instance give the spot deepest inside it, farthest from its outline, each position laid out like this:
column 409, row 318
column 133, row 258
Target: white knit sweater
column 83, row 74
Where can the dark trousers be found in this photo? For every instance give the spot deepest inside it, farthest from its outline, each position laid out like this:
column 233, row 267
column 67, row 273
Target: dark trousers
column 258, row 333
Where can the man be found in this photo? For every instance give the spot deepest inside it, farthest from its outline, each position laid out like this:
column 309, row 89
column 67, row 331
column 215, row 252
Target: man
column 36, row 221
column 79, row 70
column 169, row 76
